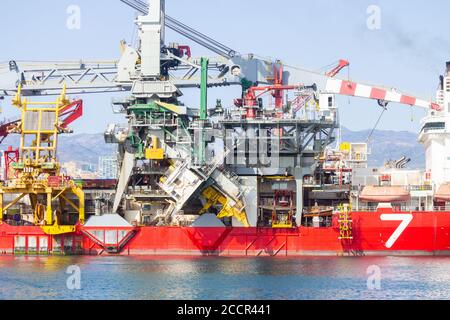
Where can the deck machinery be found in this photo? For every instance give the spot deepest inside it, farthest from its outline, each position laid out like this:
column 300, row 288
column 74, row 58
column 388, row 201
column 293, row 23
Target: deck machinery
column 182, row 162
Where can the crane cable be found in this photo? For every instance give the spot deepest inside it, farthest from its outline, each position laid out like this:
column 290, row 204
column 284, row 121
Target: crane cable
column 376, row 124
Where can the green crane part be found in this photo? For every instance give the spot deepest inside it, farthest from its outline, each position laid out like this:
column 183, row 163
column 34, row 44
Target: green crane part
column 201, row 147
column 204, row 89
column 246, row 84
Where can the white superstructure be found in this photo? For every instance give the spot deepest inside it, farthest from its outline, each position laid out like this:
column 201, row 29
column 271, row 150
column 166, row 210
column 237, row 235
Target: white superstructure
column 435, row 135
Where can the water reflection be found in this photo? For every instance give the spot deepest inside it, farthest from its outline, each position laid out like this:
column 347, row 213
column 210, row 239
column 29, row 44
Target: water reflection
column 42, row 277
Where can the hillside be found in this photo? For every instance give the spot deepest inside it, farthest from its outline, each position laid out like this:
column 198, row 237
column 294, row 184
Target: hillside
column 389, row 145
column 385, row 145
column 80, row 148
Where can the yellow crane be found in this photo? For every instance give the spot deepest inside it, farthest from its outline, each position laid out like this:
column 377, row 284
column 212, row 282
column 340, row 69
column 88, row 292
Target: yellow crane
column 37, row 173
column 229, row 208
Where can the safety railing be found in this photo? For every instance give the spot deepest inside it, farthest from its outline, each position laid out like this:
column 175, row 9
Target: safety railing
column 404, row 208
column 408, row 187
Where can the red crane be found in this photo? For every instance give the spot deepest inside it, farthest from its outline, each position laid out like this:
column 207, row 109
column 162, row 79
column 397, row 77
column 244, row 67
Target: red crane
column 341, row 65
column 327, row 83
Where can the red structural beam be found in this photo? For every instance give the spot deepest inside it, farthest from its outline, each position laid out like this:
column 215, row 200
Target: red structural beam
column 342, row 64
column 72, row 112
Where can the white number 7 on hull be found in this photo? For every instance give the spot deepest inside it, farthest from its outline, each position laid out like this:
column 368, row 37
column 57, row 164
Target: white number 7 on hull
column 405, row 219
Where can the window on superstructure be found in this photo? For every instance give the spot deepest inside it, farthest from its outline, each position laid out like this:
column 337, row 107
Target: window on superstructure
column 433, row 126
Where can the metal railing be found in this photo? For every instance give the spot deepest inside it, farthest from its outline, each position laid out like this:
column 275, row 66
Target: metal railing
column 420, row 188
column 407, row 187
column 403, row 209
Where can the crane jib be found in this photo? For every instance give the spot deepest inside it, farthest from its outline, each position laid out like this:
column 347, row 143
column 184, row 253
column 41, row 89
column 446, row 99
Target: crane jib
column 350, row 88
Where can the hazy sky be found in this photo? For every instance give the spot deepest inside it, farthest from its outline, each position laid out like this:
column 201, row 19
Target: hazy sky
column 408, row 52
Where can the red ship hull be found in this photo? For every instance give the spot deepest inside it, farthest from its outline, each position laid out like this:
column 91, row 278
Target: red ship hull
column 374, row 233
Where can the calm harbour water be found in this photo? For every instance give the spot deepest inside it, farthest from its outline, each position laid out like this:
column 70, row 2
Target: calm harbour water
column 24, row 277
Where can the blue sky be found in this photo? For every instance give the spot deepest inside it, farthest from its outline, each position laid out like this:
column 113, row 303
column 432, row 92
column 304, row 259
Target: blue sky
column 408, row 52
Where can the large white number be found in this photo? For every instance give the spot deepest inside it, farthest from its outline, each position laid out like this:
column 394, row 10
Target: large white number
column 405, row 219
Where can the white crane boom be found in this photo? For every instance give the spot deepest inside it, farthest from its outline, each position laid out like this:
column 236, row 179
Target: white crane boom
column 331, row 85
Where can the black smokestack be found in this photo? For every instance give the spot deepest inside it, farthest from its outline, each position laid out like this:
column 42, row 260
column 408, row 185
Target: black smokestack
column 448, row 66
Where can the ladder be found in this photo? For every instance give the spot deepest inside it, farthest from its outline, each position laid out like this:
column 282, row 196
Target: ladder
column 345, row 222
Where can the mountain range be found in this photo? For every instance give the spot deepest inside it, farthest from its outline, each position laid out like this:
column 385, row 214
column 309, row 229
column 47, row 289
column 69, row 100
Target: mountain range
column 388, row 145
column 385, row 145
column 80, row 148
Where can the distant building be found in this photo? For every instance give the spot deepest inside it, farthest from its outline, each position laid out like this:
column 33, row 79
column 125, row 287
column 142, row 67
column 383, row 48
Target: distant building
column 108, row 167
column 73, row 170
column 70, row 168
column 88, row 167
